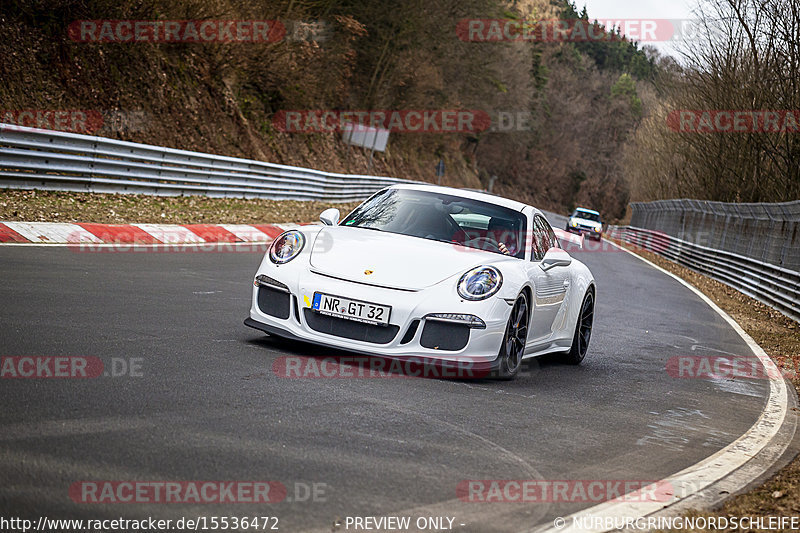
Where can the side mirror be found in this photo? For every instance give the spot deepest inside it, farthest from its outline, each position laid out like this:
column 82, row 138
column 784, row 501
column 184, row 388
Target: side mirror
column 329, row 217
column 555, row 257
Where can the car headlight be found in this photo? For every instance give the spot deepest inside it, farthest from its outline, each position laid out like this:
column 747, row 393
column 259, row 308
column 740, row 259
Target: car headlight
column 286, row 247
column 574, row 224
column 480, row 283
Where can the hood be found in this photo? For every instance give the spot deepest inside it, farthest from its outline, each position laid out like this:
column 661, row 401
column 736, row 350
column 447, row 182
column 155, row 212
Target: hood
column 396, row 261
column 585, row 222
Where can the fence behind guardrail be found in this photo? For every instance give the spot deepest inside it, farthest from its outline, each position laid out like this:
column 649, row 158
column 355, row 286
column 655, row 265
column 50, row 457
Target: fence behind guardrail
column 769, row 233
column 54, row 160
column 754, row 248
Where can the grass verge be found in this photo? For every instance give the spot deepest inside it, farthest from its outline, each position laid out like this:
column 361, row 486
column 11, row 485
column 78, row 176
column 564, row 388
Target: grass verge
column 52, row 206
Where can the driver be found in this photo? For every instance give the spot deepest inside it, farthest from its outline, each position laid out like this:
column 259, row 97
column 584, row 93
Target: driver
column 504, row 234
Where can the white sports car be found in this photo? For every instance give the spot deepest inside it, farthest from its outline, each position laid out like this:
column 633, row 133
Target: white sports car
column 431, row 273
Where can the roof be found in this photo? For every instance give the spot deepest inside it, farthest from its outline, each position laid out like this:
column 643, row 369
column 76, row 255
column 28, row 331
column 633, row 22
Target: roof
column 587, row 210
column 465, row 193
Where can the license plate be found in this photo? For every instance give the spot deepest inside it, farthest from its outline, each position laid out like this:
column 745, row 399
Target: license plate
column 357, row 310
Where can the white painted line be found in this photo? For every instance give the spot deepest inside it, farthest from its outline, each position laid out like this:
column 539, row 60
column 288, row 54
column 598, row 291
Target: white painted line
column 247, row 233
column 170, row 233
column 52, row 232
column 695, row 478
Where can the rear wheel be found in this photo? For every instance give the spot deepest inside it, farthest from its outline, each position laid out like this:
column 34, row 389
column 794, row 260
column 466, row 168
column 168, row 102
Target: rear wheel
column 512, row 348
column 583, row 331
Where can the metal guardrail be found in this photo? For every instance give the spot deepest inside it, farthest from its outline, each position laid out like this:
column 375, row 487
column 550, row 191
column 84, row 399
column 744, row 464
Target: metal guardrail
column 773, row 285
column 53, row 160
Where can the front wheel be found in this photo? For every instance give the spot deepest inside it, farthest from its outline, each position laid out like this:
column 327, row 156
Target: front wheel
column 512, row 348
column 583, row 331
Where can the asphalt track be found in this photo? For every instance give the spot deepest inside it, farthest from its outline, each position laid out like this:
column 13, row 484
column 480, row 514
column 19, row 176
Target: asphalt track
column 207, row 405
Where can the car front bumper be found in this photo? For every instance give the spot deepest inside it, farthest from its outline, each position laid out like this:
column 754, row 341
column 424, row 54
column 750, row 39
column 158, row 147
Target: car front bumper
column 587, row 231
column 286, row 311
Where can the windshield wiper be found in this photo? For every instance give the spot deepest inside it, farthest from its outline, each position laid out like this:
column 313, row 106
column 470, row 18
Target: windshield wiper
column 365, row 227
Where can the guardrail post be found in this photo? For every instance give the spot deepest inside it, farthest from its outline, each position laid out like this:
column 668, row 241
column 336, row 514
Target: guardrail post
column 90, row 185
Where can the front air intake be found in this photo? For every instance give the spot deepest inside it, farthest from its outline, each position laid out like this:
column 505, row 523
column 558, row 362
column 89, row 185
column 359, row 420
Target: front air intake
column 446, row 336
column 273, row 302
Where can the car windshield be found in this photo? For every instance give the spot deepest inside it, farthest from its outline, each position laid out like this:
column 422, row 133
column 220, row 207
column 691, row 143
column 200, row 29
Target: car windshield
column 442, row 217
column 585, row 215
